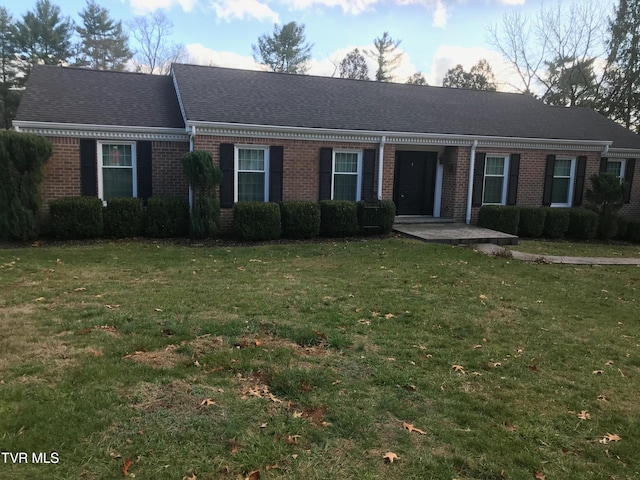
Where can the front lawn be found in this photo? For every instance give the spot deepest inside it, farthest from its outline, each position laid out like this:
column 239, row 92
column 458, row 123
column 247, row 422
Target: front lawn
column 315, row 361
column 578, row 249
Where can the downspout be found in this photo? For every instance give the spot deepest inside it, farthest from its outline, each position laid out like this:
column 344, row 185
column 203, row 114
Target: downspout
column 192, row 135
column 472, row 166
column 383, row 139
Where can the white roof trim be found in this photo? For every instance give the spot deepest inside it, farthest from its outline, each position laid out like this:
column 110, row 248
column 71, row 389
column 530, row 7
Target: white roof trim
column 175, row 86
column 622, row 153
column 118, row 132
column 401, row 138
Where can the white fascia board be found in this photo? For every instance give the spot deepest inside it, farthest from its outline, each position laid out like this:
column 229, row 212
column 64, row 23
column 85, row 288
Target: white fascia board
column 399, row 138
column 120, row 132
column 175, row 86
column 622, row 153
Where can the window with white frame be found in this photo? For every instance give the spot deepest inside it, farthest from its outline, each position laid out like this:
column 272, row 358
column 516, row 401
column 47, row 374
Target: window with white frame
column 347, row 175
column 252, row 171
column 495, row 179
column 616, row 167
column 117, row 170
column 562, row 187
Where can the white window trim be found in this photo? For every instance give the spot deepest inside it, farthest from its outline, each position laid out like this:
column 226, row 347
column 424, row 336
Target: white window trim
column 359, row 172
column 236, row 149
column 505, row 177
column 623, row 167
column 134, row 167
column 572, row 179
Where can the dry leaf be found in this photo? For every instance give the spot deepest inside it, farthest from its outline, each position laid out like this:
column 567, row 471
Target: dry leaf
column 584, row 415
column 190, row 476
column 126, row 465
column 539, row 475
column 603, row 398
column 609, row 363
column 207, row 401
column 254, row 475
column 158, row 309
column 598, row 372
column 533, row 368
column 510, row 427
column 483, row 297
column 458, row 368
column 389, row 315
column 411, row 428
column 39, row 299
column 294, row 456
column 79, row 289
column 610, row 437
column 389, row 457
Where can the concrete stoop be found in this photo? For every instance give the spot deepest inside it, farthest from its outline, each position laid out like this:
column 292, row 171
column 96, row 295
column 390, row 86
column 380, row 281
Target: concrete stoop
column 453, row 233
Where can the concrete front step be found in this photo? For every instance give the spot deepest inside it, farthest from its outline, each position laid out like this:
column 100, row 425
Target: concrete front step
column 418, row 219
column 454, row 233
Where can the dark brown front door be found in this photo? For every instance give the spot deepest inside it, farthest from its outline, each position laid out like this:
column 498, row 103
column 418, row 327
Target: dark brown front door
column 415, row 182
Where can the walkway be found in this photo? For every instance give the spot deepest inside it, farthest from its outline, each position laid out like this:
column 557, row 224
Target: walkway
column 491, row 249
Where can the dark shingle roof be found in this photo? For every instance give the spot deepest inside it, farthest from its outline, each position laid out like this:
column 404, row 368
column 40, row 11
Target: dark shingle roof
column 74, row 95
column 214, row 94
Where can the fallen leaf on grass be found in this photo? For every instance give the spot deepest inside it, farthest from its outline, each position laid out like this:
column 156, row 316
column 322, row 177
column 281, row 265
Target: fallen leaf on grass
column 254, row 475
column 603, row 398
column 389, row 457
column 458, row 368
column 110, row 307
column 207, row 401
column 39, row 299
column 389, row 315
column 510, row 427
column 539, row 475
column 584, row 415
column 598, row 372
column 482, row 297
column 610, row 437
column 126, row 465
column 609, row 363
column 79, row 289
column 411, row 428
column 190, row 476
column 533, row 368
column 158, row 309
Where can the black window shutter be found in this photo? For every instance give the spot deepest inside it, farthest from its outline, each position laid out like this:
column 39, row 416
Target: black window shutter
column 326, row 160
column 368, row 193
column 276, row 166
column 514, row 172
column 144, row 170
column 628, row 178
column 478, row 179
column 548, row 180
column 603, row 164
column 226, row 165
column 88, row 168
column 578, row 190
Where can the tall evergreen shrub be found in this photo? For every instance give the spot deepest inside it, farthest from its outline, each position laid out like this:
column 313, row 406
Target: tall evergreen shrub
column 203, row 176
column 22, row 160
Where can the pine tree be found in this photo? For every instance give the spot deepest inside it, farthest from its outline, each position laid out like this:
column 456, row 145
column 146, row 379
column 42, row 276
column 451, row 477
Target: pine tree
column 285, row 50
column 9, row 97
column 621, row 85
column 103, row 42
column 43, row 37
column 387, row 56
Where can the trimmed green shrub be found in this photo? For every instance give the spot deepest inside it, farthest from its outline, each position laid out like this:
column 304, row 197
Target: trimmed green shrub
column 256, row 220
column 300, row 219
column 556, row 222
column 22, row 159
column 633, row 231
column 583, row 224
column 623, row 225
column 531, row 221
column 376, row 217
column 203, row 176
column 500, row 218
column 338, row 218
column 76, row 217
column 167, row 217
column 123, row 217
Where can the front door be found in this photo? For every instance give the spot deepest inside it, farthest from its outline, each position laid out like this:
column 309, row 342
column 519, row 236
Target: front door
column 415, row 182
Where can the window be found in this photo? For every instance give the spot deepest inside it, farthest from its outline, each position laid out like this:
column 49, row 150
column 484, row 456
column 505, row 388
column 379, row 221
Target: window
column 562, row 187
column 616, row 167
column 117, row 170
column 252, row 170
column 495, row 180
column 347, row 169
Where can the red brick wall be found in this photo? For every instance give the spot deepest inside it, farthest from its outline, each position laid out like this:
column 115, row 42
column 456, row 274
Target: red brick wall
column 632, row 209
column 62, row 171
column 168, row 179
column 301, row 166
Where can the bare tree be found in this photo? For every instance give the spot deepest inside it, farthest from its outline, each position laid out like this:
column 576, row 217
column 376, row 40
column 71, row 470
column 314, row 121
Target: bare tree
column 155, row 52
column 530, row 43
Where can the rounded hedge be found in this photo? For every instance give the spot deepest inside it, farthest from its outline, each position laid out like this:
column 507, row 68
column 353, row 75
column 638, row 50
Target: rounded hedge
column 256, row 220
column 500, row 218
column 583, row 224
column 556, row 222
column 123, row 217
column 338, row 218
column 531, row 221
column 300, row 219
column 76, row 217
column 167, row 217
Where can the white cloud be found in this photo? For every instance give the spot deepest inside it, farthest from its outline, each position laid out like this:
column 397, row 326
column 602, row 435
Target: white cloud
column 354, row 7
column 440, row 13
column 141, row 7
column 201, row 55
column 512, row 2
column 240, row 9
column 448, row 56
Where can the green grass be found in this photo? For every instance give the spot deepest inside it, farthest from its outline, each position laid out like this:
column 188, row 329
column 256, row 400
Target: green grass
column 314, row 355
column 578, row 249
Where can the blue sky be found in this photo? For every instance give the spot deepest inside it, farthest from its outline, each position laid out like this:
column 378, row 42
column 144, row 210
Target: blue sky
column 435, row 34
